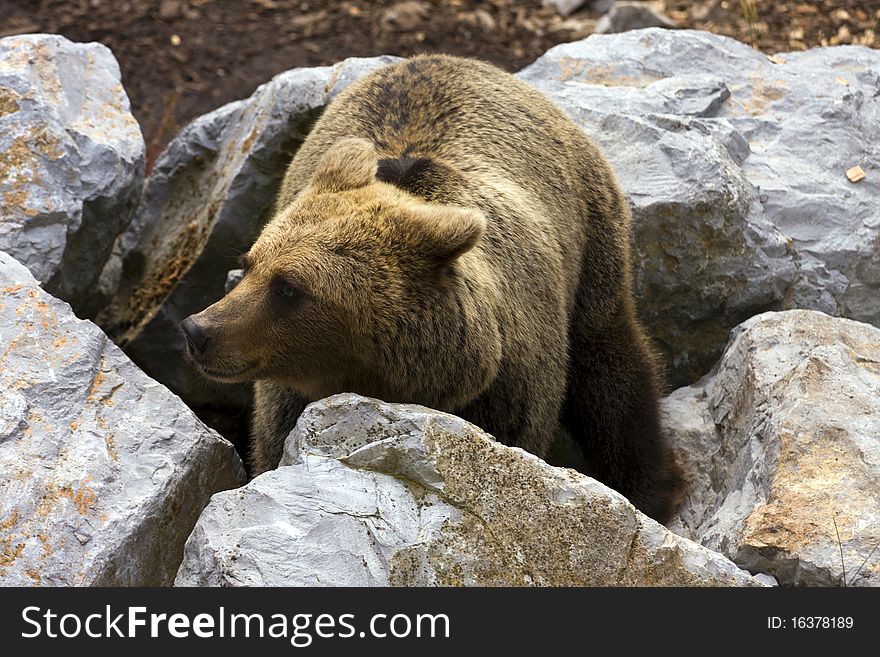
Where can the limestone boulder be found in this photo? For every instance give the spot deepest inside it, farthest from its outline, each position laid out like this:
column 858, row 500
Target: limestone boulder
column 103, row 471
column 781, row 447
column 71, row 162
column 376, row 494
column 625, row 16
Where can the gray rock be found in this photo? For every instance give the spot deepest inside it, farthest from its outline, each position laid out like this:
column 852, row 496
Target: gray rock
column 625, row 16
column 380, row 494
column 103, row 471
column 734, row 168
column 71, row 161
column 568, row 7
column 205, row 202
column 233, row 278
column 564, row 7
column 781, row 448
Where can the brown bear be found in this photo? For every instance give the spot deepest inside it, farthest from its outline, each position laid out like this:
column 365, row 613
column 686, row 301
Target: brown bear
column 446, row 236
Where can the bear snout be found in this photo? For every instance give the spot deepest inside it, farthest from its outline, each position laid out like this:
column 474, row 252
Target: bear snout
column 196, row 339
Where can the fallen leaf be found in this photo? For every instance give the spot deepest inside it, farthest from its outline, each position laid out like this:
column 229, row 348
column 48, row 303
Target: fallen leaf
column 855, row 174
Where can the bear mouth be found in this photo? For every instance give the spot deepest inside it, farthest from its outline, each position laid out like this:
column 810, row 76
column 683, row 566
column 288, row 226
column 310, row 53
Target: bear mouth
column 225, row 373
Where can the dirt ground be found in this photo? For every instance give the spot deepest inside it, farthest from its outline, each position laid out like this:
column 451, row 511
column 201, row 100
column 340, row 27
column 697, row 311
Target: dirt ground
column 182, row 58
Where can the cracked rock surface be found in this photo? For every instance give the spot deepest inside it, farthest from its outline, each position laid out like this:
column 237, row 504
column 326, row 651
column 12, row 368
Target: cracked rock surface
column 103, row 471
column 781, row 448
column 375, row 494
column 71, row 162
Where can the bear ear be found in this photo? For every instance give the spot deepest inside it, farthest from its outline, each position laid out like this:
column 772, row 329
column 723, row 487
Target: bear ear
column 444, row 232
column 348, row 164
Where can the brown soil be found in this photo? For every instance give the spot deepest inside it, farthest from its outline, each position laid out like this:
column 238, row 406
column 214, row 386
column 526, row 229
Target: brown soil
column 182, row 58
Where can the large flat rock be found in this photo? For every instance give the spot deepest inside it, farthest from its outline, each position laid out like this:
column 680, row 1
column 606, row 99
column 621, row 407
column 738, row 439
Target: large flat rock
column 103, row 471
column 375, row 494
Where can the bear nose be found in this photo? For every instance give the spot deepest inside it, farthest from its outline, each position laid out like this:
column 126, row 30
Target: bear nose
column 194, row 335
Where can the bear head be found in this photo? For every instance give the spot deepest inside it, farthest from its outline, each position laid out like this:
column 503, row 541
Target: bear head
column 337, row 281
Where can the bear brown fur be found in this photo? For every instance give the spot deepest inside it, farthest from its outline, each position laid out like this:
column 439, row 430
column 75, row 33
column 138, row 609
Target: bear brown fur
column 446, row 236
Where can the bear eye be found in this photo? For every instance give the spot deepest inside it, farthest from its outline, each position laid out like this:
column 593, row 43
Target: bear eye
column 285, row 289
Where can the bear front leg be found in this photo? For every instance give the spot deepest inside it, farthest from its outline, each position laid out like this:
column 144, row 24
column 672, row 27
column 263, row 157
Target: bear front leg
column 276, row 411
column 611, row 412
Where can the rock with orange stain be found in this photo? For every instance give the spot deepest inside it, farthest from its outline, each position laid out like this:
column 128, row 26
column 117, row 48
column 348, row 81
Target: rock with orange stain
column 781, row 446
column 71, row 161
column 103, row 471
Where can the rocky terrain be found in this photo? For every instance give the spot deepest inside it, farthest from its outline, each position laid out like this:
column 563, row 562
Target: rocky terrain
column 753, row 185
